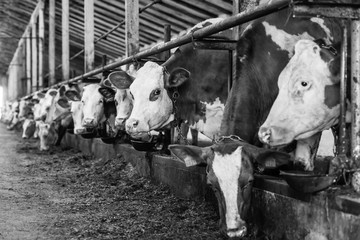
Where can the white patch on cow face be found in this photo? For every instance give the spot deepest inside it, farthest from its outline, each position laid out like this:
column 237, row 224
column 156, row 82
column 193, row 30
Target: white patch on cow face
column 227, row 169
column 149, row 114
column 77, row 115
column 283, row 39
column 124, row 105
column 47, row 102
column 93, row 105
column 321, row 22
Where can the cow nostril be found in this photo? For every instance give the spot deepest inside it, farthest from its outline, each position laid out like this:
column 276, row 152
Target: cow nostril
column 135, row 123
column 265, row 134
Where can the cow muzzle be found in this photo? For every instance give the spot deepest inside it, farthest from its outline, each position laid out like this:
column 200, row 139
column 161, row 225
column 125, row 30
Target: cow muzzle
column 120, row 123
column 89, row 122
column 275, row 136
column 238, row 233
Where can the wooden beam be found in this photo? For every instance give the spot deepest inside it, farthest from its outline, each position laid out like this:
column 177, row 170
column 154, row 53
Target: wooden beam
column 52, row 51
column 131, row 27
column 41, row 43
column 89, row 35
column 65, row 40
column 34, row 54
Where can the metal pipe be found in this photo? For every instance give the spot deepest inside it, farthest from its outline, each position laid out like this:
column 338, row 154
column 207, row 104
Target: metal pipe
column 229, row 22
column 343, row 87
column 355, row 90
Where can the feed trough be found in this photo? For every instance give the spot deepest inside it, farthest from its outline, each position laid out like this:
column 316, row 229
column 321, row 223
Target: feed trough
column 308, row 182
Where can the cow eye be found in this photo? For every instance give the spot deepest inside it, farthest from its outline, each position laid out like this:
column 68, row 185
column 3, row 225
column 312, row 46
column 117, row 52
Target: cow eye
column 154, row 94
column 116, row 102
column 132, row 96
column 304, row 84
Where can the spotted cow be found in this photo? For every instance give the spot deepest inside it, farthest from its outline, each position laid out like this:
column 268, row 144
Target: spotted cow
column 230, row 172
column 180, row 89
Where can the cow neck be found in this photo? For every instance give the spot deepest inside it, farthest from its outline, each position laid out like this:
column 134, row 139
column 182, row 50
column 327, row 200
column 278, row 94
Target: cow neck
column 173, row 94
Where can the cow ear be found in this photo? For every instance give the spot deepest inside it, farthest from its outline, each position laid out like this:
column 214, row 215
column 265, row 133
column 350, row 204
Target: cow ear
column 62, row 90
column 40, row 95
column 107, row 93
column 191, row 155
column 120, row 79
column 63, row 102
column 72, row 95
column 106, row 83
column 270, row 159
column 53, row 93
column 177, row 77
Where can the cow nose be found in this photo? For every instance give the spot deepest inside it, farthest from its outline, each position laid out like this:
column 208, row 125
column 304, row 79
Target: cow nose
column 88, row 122
column 238, row 233
column 120, row 121
column 265, row 134
column 133, row 123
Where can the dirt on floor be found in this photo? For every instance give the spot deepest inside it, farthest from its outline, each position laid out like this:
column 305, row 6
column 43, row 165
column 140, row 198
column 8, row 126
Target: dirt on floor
column 64, row 194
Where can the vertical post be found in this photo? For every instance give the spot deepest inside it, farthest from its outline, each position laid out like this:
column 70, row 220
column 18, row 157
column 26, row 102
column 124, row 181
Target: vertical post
column 89, row 35
column 65, row 40
column 355, row 90
column 28, row 62
column 34, row 51
column 234, row 63
column 41, row 43
column 343, row 69
column 52, row 42
column 131, row 27
column 167, row 37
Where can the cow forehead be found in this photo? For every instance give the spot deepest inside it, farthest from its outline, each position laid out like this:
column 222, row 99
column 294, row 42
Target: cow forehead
column 91, row 92
column 227, row 166
column 151, row 74
column 306, row 65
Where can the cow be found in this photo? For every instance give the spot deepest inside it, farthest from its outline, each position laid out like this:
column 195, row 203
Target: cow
column 97, row 111
column 119, row 90
column 230, row 172
column 264, row 48
column 29, row 127
column 308, row 101
column 47, row 135
column 180, row 89
column 72, row 102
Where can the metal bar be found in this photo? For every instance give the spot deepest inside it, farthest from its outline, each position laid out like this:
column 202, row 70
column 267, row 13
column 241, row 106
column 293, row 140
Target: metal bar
column 343, row 86
column 216, row 45
column 229, row 22
column 347, row 12
column 355, row 90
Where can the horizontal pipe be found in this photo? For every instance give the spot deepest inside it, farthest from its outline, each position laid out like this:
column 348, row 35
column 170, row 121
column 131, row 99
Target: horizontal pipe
column 227, row 23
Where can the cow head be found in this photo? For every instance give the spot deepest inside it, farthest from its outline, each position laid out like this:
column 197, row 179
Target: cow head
column 72, row 101
column 308, row 99
column 93, row 105
column 121, row 95
column 47, row 135
column 25, row 107
column 46, row 103
column 29, row 126
column 152, row 104
column 230, row 174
